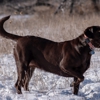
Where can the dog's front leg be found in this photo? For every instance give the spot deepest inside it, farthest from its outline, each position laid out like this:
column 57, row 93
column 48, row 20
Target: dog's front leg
column 78, row 78
column 76, row 86
column 69, row 70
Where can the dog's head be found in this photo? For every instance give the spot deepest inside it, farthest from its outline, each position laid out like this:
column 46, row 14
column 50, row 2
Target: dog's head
column 93, row 33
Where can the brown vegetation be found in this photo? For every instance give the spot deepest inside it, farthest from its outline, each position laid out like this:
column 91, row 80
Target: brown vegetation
column 57, row 28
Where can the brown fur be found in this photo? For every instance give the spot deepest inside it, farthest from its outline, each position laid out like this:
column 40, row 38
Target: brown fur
column 68, row 58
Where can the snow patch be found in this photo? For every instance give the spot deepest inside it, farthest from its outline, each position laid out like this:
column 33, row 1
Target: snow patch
column 47, row 86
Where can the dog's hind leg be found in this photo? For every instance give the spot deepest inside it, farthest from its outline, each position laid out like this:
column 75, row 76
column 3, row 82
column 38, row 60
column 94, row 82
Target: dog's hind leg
column 18, row 88
column 20, row 72
column 21, row 76
column 28, row 75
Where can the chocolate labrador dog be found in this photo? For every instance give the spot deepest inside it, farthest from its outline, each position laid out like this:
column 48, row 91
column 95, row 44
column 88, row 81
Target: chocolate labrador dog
column 68, row 58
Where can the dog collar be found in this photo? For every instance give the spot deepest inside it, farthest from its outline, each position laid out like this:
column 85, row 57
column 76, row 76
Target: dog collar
column 87, row 40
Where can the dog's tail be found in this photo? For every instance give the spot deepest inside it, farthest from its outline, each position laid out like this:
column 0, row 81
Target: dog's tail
column 4, row 33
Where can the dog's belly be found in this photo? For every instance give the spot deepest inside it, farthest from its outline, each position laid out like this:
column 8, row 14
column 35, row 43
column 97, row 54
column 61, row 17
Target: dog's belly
column 49, row 68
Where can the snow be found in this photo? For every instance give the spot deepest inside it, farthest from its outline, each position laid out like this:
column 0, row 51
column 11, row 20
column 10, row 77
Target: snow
column 47, row 86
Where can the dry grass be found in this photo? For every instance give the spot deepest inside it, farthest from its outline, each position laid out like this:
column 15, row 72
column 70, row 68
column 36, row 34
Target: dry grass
column 56, row 28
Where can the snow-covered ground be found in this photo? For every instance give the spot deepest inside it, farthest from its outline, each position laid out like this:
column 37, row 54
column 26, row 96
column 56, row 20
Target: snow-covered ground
column 46, row 86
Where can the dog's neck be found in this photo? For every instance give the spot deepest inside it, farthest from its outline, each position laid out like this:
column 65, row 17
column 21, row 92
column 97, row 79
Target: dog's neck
column 88, row 41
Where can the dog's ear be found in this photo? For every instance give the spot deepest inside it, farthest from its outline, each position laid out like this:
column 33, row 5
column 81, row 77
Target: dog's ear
column 89, row 32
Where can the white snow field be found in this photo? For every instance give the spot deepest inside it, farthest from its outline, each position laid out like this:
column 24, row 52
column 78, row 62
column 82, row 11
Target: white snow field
column 47, row 86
